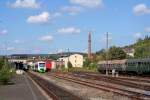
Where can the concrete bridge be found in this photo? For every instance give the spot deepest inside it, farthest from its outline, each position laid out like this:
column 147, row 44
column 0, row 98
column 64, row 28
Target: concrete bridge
column 24, row 61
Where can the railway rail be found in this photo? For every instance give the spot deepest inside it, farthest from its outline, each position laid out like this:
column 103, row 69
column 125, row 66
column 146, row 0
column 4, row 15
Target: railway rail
column 123, row 77
column 54, row 92
column 121, row 81
column 108, row 88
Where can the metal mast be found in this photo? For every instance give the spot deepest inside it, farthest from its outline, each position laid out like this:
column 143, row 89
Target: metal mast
column 107, row 46
column 68, row 54
column 89, row 45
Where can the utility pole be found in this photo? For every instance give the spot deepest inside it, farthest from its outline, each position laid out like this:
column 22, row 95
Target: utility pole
column 68, row 54
column 107, row 46
column 5, row 50
column 89, row 46
column 68, row 59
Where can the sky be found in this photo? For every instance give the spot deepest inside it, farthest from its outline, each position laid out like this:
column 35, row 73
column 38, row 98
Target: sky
column 52, row 26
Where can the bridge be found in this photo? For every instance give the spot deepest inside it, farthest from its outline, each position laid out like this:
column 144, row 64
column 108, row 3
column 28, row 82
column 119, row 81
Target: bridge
column 24, row 61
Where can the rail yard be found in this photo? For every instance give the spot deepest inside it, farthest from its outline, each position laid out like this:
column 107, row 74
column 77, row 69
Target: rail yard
column 74, row 50
column 115, row 87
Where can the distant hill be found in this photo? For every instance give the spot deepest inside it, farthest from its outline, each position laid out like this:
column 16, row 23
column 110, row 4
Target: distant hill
column 51, row 56
column 140, row 49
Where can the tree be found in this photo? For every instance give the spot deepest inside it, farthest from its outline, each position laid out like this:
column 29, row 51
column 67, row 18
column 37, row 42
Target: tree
column 116, row 53
column 86, row 63
column 100, row 52
column 92, row 65
column 1, row 63
column 142, row 52
column 142, row 48
column 5, row 73
column 69, row 65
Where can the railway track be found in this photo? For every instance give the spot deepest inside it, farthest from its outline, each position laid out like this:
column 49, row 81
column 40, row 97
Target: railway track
column 54, row 92
column 126, row 77
column 115, row 81
column 108, row 88
column 137, row 79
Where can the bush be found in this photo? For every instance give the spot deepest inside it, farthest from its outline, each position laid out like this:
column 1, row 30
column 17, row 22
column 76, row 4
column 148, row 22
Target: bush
column 1, row 63
column 86, row 63
column 92, row 66
column 63, row 68
column 69, row 64
column 5, row 74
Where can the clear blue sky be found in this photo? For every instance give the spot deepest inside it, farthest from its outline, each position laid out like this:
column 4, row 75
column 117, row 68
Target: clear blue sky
column 50, row 26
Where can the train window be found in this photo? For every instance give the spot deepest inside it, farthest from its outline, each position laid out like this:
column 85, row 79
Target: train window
column 102, row 65
column 41, row 64
column 127, row 64
column 133, row 63
column 139, row 63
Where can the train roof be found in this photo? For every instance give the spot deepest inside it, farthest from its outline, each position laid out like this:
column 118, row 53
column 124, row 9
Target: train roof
column 124, row 61
column 113, row 62
column 139, row 60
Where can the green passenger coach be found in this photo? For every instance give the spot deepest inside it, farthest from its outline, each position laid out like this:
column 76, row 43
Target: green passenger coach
column 138, row 66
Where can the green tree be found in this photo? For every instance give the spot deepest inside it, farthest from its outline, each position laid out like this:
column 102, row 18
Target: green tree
column 142, row 52
column 86, row 63
column 1, row 63
column 142, row 48
column 92, row 65
column 69, row 65
column 116, row 53
column 5, row 73
column 63, row 68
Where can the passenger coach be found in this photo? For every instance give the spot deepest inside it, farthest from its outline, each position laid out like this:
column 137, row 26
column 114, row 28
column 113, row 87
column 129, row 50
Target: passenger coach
column 138, row 66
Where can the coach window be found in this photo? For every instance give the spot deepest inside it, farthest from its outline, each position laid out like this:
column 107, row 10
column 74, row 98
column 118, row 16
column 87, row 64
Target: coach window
column 128, row 64
column 139, row 63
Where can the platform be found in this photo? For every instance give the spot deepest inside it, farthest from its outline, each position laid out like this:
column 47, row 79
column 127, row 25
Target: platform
column 23, row 89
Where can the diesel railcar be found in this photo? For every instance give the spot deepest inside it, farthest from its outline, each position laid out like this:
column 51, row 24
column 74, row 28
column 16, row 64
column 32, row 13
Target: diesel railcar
column 40, row 66
column 138, row 66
